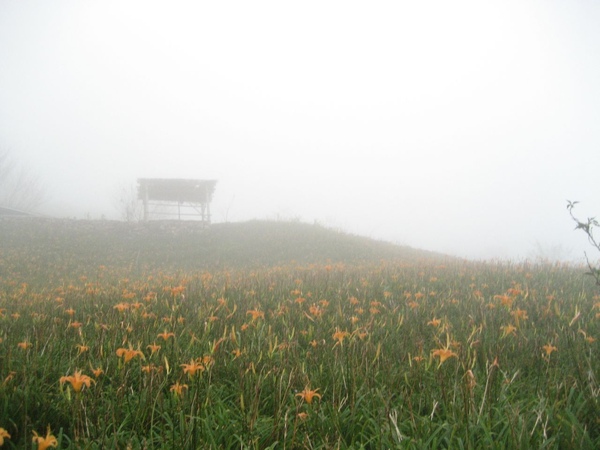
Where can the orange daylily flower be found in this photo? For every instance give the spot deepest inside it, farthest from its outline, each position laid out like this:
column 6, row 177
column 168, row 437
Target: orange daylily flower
column 549, row 348
column 45, row 442
column 505, row 300
column 3, row 434
column 128, row 295
column 255, row 313
column 121, row 307
column 153, row 348
column 514, row 291
column 444, row 354
column 508, row 329
column 102, row 326
column 519, row 314
column 77, row 381
column 9, row 377
column 178, row 388
column 192, row 368
column 308, row 395
column 24, row 345
column 97, row 372
column 152, row 368
column 315, row 310
column 82, row 348
column 166, row 335
column 589, row 339
column 471, row 381
column 177, row 290
column 339, row 336
column 434, row 322
column 129, row 353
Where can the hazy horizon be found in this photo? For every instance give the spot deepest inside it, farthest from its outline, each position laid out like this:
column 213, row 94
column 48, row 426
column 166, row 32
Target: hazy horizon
column 459, row 127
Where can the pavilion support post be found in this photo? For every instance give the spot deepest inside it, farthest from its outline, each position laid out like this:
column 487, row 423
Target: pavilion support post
column 146, row 206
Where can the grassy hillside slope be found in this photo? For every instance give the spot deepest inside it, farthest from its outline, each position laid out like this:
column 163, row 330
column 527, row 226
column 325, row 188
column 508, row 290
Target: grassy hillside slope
column 186, row 245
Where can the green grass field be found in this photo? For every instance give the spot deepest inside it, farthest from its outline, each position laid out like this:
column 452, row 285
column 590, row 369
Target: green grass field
column 285, row 335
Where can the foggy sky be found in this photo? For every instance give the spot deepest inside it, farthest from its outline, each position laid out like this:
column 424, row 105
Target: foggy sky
column 461, row 127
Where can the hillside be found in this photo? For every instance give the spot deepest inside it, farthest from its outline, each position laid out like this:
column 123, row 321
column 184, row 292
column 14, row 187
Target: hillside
column 74, row 244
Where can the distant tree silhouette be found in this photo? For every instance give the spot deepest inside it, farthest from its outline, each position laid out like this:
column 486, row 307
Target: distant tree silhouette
column 19, row 187
column 127, row 204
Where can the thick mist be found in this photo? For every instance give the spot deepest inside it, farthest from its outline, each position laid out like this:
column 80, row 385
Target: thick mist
column 460, row 127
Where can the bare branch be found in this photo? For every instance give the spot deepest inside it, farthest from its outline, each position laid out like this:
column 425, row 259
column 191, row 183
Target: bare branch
column 19, row 187
column 587, row 227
